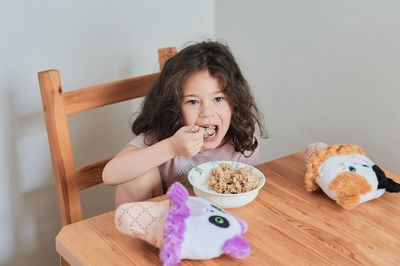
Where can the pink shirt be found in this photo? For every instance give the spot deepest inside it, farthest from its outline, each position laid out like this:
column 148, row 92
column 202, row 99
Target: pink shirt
column 177, row 169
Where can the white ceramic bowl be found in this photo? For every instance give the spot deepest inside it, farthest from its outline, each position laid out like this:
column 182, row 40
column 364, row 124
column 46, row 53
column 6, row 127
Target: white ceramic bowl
column 199, row 178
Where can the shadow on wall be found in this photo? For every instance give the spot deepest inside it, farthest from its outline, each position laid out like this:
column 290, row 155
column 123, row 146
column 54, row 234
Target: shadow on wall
column 33, row 210
column 31, row 216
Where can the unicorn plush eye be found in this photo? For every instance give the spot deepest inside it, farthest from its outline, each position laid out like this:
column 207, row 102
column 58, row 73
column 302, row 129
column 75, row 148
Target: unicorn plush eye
column 219, row 221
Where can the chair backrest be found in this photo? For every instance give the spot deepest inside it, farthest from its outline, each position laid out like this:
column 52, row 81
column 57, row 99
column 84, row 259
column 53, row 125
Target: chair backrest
column 57, row 105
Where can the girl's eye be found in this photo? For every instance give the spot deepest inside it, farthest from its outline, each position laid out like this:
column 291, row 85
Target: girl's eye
column 218, row 99
column 192, row 101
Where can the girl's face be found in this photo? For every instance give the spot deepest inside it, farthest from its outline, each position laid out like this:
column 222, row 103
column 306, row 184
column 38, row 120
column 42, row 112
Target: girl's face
column 204, row 104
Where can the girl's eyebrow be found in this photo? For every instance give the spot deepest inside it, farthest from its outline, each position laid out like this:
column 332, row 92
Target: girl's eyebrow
column 190, row 95
column 195, row 95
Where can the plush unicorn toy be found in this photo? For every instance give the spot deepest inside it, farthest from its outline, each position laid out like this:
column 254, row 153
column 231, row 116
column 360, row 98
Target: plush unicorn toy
column 345, row 174
column 184, row 227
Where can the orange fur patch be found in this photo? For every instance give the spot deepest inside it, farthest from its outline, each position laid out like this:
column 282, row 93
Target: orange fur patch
column 321, row 156
column 349, row 186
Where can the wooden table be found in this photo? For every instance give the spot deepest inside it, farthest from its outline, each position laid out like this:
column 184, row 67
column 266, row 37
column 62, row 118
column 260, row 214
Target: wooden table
column 287, row 225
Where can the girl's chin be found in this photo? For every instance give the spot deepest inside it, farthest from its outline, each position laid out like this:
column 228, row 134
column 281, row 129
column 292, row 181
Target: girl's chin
column 209, row 145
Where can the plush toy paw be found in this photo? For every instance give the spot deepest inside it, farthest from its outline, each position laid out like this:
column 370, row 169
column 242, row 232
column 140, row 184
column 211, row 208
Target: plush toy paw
column 345, row 174
column 184, row 227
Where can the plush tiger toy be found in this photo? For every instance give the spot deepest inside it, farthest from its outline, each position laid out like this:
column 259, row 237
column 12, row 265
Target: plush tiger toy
column 345, row 174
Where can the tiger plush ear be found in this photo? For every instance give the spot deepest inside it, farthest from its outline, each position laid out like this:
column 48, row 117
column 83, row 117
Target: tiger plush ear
column 312, row 149
column 312, row 167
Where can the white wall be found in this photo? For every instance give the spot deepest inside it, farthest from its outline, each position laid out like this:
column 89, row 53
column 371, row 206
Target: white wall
column 321, row 71
column 90, row 42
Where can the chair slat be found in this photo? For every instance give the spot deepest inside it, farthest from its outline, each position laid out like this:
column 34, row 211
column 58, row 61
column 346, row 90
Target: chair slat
column 164, row 54
column 60, row 146
column 90, row 175
column 108, row 93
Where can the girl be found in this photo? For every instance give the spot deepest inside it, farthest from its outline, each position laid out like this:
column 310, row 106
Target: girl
column 200, row 109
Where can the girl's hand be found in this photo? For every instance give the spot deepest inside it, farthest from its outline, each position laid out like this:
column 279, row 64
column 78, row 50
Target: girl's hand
column 187, row 141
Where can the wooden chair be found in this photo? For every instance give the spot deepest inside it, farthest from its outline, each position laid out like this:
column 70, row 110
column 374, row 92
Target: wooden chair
column 57, row 105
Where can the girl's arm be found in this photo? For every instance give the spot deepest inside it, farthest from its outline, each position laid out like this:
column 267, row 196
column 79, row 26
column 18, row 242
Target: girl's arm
column 133, row 162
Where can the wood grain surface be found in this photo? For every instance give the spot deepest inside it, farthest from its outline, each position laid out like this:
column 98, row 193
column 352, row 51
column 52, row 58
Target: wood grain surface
column 286, row 226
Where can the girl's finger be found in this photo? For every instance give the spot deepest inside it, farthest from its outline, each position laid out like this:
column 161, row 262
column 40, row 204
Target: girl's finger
column 193, row 129
column 200, row 130
column 196, row 128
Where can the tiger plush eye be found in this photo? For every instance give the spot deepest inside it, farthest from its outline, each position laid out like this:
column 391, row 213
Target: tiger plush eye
column 352, row 169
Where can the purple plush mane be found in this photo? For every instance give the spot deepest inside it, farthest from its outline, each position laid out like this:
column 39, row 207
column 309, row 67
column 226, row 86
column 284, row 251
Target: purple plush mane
column 197, row 229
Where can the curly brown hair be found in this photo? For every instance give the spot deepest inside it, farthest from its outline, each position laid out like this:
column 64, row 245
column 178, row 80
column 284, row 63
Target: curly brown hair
column 160, row 116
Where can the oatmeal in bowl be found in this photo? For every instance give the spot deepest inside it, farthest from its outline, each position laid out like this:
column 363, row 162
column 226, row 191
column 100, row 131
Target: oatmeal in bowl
column 228, row 180
column 227, row 184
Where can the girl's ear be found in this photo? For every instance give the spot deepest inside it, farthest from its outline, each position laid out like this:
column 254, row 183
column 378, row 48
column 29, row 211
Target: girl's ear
column 237, row 247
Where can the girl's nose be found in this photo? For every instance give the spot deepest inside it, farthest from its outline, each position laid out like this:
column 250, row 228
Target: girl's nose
column 206, row 110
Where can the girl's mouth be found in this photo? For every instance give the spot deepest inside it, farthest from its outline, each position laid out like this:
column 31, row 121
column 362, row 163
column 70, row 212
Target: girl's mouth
column 210, row 131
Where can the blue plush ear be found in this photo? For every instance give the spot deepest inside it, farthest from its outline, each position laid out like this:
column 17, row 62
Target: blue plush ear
column 237, row 247
column 385, row 182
